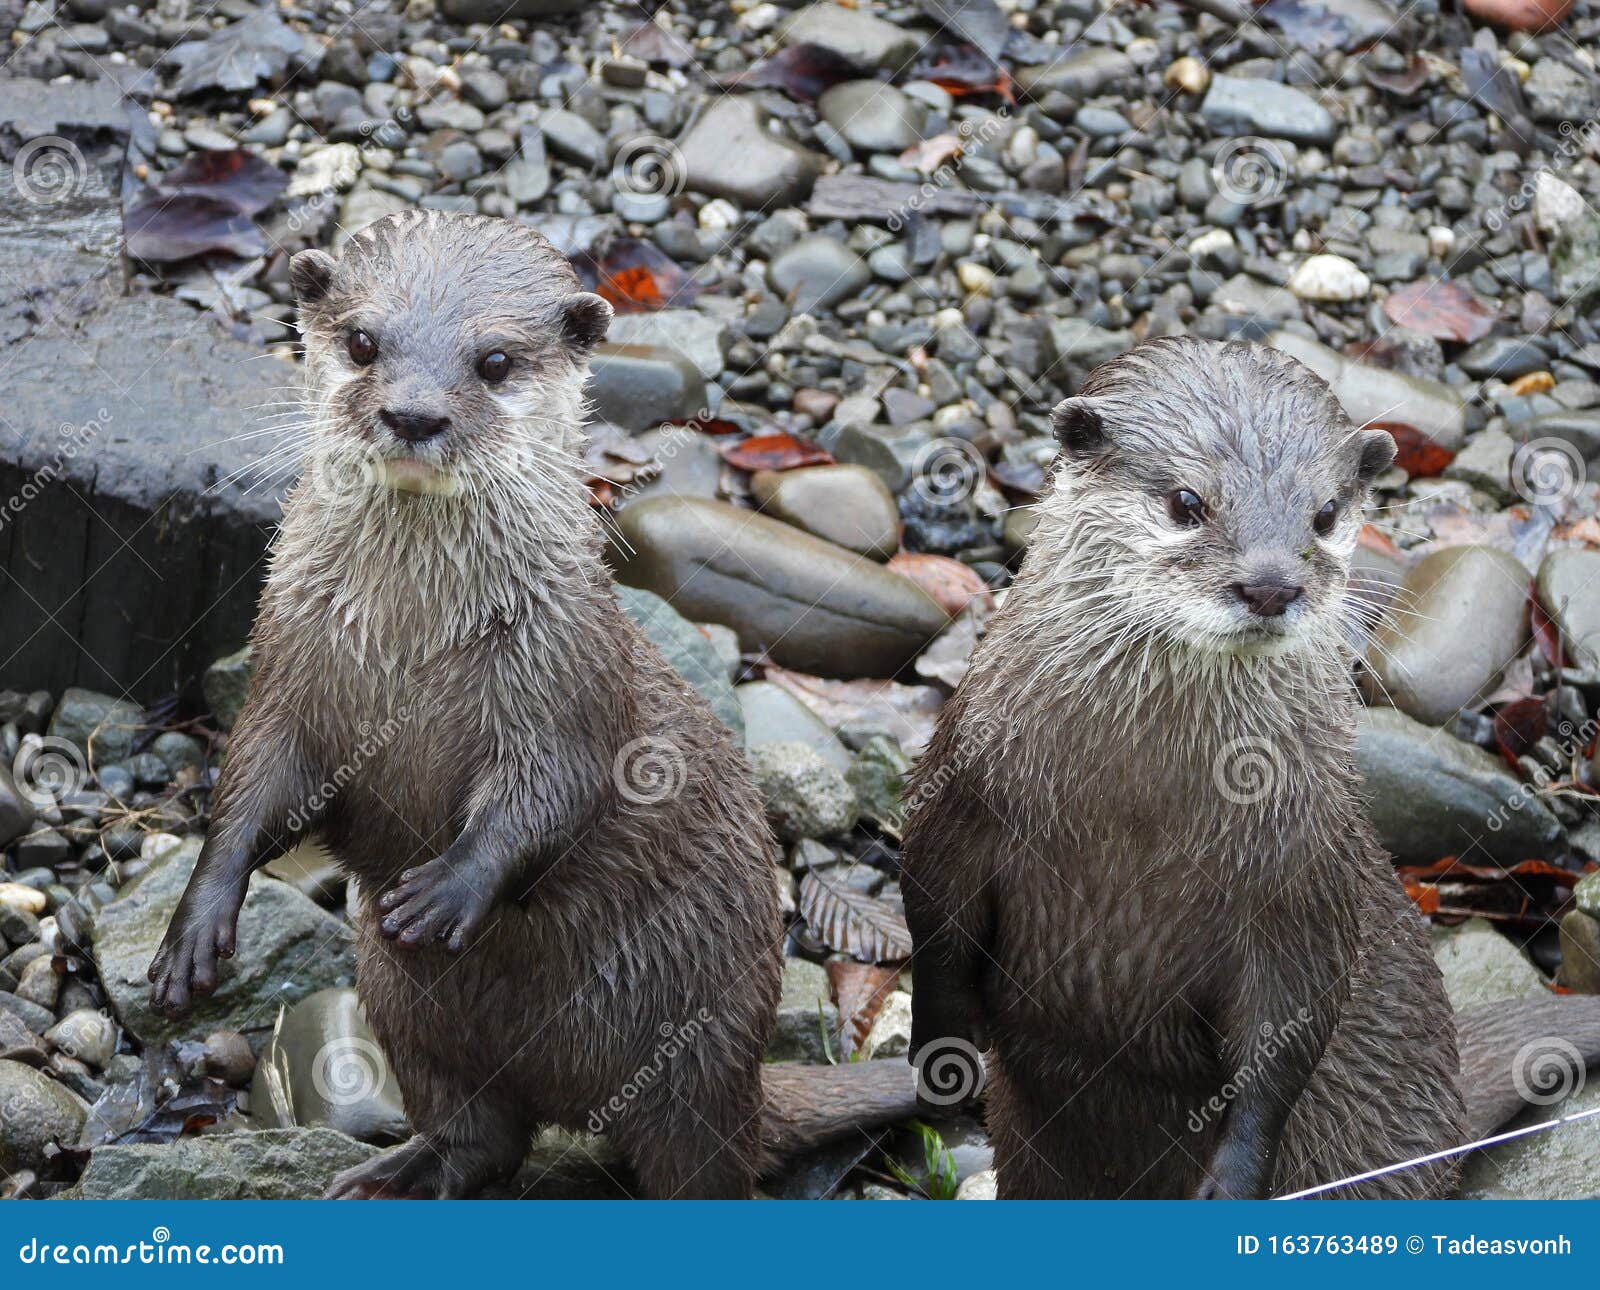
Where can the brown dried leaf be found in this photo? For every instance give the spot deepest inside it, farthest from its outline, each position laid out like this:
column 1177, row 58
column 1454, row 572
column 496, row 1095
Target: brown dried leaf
column 1440, row 308
column 953, row 584
column 859, row 990
column 867, row 927
column 776, row 451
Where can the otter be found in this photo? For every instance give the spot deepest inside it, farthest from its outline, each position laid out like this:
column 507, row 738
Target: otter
column 1138, row 865
column 566, row 888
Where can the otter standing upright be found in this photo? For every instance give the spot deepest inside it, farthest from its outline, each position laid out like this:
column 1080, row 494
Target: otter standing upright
column 1141, row 867
column 559, row 855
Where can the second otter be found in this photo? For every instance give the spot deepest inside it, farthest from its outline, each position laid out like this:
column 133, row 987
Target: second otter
column 1142, row 869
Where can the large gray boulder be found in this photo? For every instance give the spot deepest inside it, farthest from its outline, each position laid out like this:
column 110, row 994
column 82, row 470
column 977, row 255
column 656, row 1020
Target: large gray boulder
column 1430, row 795
column 140, row 557
column 288, row 948
column 686, row 649
column 814, row 605
column 276, row 1164
column 36, row 1113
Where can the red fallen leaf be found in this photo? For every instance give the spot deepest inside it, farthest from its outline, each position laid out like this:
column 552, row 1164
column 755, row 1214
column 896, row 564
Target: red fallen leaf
column 1440, row 308
column 803, row 71
column 1518, row 726
column 1375, row 539
column 707, row 425
column 638, row 277
column 1545, row 631
column 161, row 229
column 1452, row 867
column 775, row 452
column 1415, row 453
column 953, row 584
column 1521, row 15
column 232, row 175
column 1425, row 898
column 859, row 990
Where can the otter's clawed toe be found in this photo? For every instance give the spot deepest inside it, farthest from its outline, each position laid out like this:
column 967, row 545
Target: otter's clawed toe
column 185, row 968
column 434, row 903
column 411, row 1171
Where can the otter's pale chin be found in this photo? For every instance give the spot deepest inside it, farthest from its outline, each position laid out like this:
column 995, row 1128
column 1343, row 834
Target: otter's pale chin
column 408, row 475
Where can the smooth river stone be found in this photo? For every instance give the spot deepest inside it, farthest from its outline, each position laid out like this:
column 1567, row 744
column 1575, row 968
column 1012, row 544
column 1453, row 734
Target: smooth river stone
column 1431, row 795
column 1461, row 618
column 849, row 505
column 1569, row 590
column 729, row 152
column 1376, row 394
column 812, row 605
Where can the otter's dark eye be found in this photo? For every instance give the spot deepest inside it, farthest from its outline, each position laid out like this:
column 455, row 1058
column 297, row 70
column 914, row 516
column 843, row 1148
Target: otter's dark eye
column 494, row 367
column 363, row 349
column 1323, row 522
column 1186, row 508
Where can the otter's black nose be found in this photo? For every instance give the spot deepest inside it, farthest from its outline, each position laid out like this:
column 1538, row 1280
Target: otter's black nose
column 1267, row 599
column 413, row 427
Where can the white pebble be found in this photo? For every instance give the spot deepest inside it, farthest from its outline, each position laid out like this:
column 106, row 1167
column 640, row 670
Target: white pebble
column 28, row 900
column 1330, row 278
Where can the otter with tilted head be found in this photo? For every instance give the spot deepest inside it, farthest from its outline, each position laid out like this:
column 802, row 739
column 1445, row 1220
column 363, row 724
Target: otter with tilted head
column 1140, row 867
column 566, row 893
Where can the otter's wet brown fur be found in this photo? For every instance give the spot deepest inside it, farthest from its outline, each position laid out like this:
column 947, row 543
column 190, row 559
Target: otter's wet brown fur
column 567, row 902
column 1139, row 867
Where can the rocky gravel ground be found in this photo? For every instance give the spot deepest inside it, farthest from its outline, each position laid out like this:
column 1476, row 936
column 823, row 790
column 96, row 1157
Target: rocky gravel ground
column 857, row 252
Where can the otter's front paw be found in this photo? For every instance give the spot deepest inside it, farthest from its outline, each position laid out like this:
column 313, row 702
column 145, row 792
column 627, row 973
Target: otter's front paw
column 202, row 931
column 436, row 901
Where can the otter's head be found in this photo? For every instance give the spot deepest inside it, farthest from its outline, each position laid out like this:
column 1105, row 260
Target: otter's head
column 444, row 351
column 1223, row 485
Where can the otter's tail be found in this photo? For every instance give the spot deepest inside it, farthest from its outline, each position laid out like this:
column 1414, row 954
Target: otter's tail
column 1518, row 1048
column 809, row 1105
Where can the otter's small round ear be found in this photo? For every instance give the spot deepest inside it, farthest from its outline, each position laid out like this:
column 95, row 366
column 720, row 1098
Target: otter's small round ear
column 310, row 272
column 1377, row 454
column 1079, row 428
column 584, row 319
